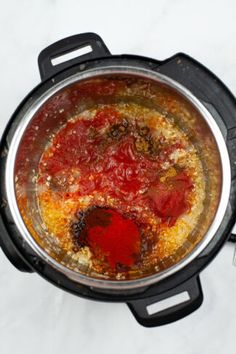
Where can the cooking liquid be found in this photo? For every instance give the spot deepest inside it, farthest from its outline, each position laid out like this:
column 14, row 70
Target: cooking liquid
column 120, row 187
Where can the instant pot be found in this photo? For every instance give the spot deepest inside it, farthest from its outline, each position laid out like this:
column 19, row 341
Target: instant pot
column 207, row 98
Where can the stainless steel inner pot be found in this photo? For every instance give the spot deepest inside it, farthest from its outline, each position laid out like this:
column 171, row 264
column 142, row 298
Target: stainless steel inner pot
column 45, row 115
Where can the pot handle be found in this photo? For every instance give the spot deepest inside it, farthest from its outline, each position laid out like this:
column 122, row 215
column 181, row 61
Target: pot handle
column 191, row 290
column 97, row 48
column 10, row 250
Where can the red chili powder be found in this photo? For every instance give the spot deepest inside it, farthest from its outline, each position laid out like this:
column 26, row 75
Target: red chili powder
column 109, row 233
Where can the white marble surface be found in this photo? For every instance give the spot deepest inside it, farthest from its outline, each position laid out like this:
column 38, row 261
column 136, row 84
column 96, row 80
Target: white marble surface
column 36, row 317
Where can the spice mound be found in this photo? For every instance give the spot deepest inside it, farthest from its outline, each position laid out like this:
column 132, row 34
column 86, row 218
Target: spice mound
column 108, row 235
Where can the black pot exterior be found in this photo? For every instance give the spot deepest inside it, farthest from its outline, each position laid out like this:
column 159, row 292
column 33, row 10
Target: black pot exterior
column 221, row 104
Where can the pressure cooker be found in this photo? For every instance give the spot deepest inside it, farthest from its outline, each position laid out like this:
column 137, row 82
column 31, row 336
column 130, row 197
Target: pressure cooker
column 45, row 109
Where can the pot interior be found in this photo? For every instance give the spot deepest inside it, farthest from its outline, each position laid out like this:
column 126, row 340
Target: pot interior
column 117, row 176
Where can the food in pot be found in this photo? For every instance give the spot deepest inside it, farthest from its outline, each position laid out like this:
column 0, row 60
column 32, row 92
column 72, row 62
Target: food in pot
column 120, row 187
column 117, row 181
